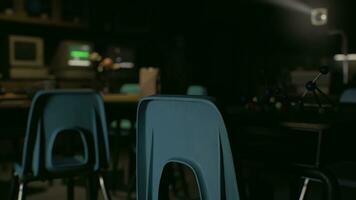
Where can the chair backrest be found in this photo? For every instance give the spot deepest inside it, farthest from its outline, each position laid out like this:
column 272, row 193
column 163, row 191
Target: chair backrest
column 58, row 112
column 348, row 96
column 196, row 90
column 189, row 131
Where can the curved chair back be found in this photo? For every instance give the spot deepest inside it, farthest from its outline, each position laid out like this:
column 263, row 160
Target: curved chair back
column 196, row 90
column 348, row 96
column 54, row 113
column 189, row 131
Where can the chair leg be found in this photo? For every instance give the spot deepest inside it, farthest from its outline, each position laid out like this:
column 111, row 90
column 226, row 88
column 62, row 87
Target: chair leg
column 70, row 189
column 115, row 162
column 92, row 189
column 304, row 188
column 103, row 188
column 22, row 191
column 14, row 188
column 131, row 186
column 331, row 190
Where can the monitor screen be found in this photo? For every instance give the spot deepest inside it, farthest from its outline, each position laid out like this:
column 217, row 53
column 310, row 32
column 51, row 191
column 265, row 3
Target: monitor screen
column 26, row 51
column 72, row 60
column 79, row 55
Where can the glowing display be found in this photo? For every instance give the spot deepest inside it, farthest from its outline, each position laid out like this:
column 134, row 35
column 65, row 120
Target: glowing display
column 79, row 54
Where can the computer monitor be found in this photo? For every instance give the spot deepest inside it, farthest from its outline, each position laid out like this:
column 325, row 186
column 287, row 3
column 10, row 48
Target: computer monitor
column 78, row 55
column 72, row 60
column 26, row 58
column 122, row 70
column 25, row 51
column 123, row 57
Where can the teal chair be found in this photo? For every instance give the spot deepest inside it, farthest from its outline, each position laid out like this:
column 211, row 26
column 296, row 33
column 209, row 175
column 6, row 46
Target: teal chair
column 197, row 90
column 189, row 131
column 64, row 114
column 348, row 96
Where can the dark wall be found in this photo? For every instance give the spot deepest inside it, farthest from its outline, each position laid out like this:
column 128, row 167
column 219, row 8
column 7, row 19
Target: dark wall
column 237, row 48
column 232, row 47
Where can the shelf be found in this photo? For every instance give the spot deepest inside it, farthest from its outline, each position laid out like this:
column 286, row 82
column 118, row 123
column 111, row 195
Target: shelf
column 40, row 21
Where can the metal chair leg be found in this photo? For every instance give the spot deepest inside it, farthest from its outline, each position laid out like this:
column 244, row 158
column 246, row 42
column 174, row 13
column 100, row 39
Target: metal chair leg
column 330, row 183
column 92, row 191
column 304, row 188
column 103, row 188
column 21, row 194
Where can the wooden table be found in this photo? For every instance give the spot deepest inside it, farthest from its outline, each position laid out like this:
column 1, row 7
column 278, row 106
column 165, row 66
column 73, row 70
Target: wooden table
column 317, row 129
column 121, row 98
column 23, row 101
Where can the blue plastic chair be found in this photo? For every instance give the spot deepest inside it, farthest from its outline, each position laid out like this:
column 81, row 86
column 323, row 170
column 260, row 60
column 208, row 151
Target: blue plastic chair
column 189, row 131
column 52, row 115
column 197, row 90
column 348, row 96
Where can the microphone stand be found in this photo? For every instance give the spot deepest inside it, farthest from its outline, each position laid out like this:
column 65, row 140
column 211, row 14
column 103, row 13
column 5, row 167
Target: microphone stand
column 311, row 86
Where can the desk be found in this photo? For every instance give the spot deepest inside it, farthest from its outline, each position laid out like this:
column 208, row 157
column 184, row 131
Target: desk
column 312, row 128
column 23, row 101
column 318, row 129
column 284, row 139
column 121, row 98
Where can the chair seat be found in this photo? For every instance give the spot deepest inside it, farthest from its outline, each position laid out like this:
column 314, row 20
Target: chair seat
column 67, row 163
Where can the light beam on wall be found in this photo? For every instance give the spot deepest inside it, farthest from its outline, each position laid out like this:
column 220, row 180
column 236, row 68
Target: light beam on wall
column 293, row 5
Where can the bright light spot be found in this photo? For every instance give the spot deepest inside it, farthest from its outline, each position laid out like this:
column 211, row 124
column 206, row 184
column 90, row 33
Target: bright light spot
column 341, row 57
column 319, row 16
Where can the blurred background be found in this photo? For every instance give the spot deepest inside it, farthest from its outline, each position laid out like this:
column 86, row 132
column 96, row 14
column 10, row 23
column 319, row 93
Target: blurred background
column 253, row 57
column 230, row 47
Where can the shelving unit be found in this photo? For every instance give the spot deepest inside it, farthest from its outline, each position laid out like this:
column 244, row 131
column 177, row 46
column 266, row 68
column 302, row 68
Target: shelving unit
column 40, row 21
column 19, row 14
